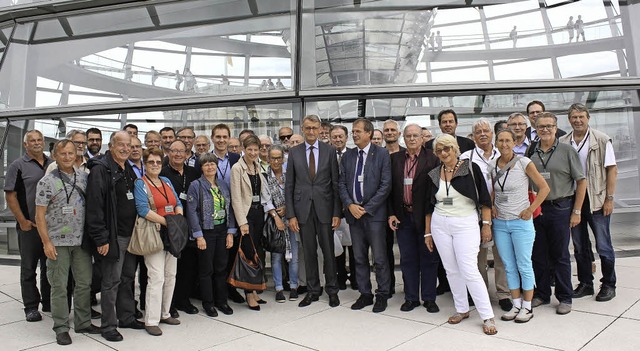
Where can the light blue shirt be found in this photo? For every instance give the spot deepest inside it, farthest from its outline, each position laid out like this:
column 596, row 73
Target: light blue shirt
column 224, row 171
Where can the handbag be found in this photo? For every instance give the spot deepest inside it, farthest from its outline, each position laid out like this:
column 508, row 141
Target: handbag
column 273, row 239
column 145, row 239
column 246, row 272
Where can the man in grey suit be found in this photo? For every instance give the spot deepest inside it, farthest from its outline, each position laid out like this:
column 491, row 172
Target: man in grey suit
column 365, row 184
column 313, row 207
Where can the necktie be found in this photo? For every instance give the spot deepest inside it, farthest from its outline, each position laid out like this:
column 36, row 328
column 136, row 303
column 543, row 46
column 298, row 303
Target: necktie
column 339, row 156
column 358, row 174
column 312, row 163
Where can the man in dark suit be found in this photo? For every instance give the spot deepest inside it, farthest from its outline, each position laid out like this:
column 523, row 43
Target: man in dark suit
column 534, row 109
column 313, row 207
column 365, row 183
column 448, row 121
column 406, row 206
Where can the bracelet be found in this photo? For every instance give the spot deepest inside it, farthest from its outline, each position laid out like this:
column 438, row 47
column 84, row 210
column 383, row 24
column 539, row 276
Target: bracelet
column 427, row 235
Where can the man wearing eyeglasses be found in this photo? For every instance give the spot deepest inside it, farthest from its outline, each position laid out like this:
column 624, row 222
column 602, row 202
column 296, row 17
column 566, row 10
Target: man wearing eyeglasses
column 202, row 145
column 187, row 135
column 518, row 124
column 263, row 153
column 135, row 158
column 560, row 166
column 181, row 175
column 534, row 109
column 94, row 142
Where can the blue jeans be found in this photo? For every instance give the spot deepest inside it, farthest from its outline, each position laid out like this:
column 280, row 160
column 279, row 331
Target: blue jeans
column 551, row 250
column 276, row 265
column 419, row 266
column 514, row 239
column 582, row 246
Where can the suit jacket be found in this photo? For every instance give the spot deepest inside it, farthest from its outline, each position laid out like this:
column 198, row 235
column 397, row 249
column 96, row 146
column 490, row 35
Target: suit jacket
column 377, row 182
column 301, row 190
column 465, row 144
column 419, row 190
column 241, row 194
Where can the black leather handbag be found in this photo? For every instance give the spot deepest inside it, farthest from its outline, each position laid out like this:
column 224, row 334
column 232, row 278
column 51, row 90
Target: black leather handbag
column 273, row 239
column 247, row 268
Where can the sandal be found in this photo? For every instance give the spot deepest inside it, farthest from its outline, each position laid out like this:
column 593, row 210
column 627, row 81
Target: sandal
column 458, row 317
column 489, row 327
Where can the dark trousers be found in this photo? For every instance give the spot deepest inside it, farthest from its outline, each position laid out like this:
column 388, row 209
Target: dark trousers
column 96, row 273
column 118, row 304
column 312, row 234
column 255, row 219
column 582, row 246
column 231, row 257
column 142, row 280
column 390, row 256
column 419, row 266
column 212, row 264
column 366, row 233
column 551, row 247
column 341, row 263
column 32, row 253
column 187, row 275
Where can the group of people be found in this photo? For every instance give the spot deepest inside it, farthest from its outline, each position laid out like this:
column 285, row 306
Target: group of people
column 446, row 201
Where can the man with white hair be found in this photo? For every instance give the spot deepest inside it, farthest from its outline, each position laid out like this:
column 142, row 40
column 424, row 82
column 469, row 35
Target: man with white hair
column 263, row 153
column 484, row 152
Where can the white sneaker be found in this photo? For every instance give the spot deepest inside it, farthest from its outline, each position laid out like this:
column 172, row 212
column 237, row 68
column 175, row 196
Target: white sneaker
column 511, row 315
column 524, row 315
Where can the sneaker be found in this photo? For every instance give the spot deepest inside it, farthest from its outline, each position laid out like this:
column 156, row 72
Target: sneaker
column 293, row 295
column 280, row 297
column 33, row 316
column 582, row 290
column 606, row 293
column 538, row 302
column 363, row 301
column 524, row 315
column 563, row 308
column 511, row 315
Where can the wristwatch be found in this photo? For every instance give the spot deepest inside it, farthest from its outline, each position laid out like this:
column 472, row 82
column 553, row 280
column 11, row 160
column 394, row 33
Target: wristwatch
column 576, row 211
column 609, row 197
column 487, row 222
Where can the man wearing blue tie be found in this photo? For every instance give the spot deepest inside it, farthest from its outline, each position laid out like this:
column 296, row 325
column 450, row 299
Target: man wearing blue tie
column 365, row 184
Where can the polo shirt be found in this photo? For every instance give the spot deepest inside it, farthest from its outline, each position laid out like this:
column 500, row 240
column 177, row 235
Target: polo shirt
column 22, row 177
column 562, row 163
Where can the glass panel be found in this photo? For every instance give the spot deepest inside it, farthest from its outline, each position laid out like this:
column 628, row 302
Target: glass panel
column 110, row 21
column 49, row 29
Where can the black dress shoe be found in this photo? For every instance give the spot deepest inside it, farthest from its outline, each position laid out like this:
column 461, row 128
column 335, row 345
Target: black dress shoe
column 211, row 311
column 63, row 338
column 188, row 309
column 174, row 313
column 334, row 301
column 133, row 325
column 409, row 305
column 606, row 293
column 91, row 329
column 308, row 299
column 235, row 296
column 380, row 305
column 363, row 301
column 582, row 290
column 112, row 335
column 95, row 314
column 431, row 306
column 505, row 304
column 33, row 316
column 225, row 309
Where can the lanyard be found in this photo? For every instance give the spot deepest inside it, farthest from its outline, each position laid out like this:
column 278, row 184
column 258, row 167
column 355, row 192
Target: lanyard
column 163, row 192
column 447, row 183
column 254, row 180
column 64, row 186
column 584, row 141
column 493, row 154
column 226, row 167
column 413, row 165
column 544, row 165
column 505, row 175
column 215, row 193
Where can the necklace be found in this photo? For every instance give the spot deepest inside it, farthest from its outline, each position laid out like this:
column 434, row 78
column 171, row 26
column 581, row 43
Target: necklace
column 452, row 169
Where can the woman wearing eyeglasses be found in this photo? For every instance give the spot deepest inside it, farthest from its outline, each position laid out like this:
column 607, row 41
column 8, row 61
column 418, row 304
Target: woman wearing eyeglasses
column 162, row 265
column 246, row 186
column 457, row 189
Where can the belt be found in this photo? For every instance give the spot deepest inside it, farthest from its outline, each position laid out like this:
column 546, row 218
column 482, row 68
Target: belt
column 408, row 208
column 557, row 201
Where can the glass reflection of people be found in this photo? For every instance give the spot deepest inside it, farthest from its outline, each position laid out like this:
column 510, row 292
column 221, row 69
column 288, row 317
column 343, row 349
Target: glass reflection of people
column 154, row 75
column 179, row 79
column 580, row 29
column 570, row 28
column 246, row 186
column 439, row 40
column 432, row 42
column 514, row 36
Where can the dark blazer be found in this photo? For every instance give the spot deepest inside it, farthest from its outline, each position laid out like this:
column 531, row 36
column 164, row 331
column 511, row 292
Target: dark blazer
column 301, row 190
column 419, row 190
column 377, row 182
column 463, row 182
column 465, row 144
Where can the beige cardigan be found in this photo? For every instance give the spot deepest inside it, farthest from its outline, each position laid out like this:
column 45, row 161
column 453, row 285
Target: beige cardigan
column 241, row 193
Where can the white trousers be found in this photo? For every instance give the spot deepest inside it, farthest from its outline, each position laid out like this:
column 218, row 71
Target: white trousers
column 161, row 268
column 458, row 243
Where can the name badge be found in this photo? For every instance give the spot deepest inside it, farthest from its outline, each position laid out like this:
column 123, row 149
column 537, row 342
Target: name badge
column 360, row 178
column 408, row 181
column 168, row 209
column 68, row 210
column 501, row 197
column 447, row 201
column 183, row 196
column 192, row 163
column 219, row 214
column 129, row 195
column 545, row 175
column 255, row 198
